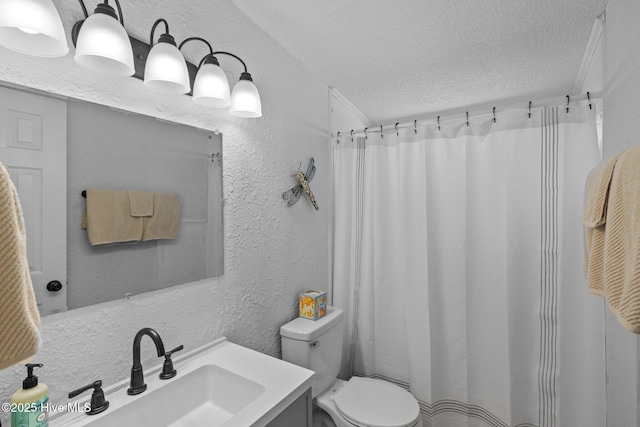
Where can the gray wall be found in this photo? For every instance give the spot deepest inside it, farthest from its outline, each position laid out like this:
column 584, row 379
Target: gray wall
column 621, row 131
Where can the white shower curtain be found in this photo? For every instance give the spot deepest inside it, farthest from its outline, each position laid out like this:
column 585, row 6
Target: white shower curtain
column 458, row 258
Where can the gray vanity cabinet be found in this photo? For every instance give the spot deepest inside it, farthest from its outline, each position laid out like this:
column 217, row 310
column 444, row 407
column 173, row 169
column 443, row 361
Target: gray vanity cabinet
column 298, row 414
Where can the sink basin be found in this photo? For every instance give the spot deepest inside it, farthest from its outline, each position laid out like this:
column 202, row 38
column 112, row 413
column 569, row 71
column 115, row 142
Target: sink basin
column 207, row 396
column 220, row 384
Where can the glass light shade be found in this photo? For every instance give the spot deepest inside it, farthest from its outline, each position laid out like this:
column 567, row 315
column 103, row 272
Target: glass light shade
column 32, row 27
column 211, row 87
column 245, row 100
column 166, row 70
column 104, row 46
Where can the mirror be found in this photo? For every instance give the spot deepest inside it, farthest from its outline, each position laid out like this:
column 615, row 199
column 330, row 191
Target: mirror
column 115, row 150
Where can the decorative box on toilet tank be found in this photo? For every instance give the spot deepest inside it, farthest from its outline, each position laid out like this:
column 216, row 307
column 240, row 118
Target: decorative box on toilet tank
column 312, row 304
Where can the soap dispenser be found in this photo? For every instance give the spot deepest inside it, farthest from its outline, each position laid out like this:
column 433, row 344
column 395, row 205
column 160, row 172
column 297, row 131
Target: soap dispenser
column 29, row 404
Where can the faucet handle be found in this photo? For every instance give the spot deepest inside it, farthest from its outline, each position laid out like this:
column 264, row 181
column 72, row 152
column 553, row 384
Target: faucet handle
column 167, row 368
column 169, row 353
column 98, row 403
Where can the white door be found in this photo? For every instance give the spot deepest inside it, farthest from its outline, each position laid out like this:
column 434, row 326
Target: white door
column 33, row 148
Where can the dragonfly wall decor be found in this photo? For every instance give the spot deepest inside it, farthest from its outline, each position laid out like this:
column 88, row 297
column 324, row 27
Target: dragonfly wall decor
column 292, row 196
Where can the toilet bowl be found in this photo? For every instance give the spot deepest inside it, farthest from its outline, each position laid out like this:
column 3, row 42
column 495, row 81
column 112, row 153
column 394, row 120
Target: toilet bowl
column 359, row 402
column 367, row 402
column 321, row 418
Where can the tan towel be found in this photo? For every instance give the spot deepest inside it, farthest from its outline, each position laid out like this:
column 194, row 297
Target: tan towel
column 594, row 218
column 594, row 259
column 19, row 317
column 109, row 218
column 165, row 222
column 141, row 203
column 618, row 243
column 597, row 192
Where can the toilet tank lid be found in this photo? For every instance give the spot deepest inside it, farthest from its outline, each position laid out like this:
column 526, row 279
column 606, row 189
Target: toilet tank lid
column 302, row 329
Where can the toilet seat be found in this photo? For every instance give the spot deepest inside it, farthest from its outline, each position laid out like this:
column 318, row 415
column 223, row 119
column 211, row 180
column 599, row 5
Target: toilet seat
column 368, row 402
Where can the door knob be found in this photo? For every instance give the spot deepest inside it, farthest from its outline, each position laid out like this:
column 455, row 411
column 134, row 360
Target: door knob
column 54, row 286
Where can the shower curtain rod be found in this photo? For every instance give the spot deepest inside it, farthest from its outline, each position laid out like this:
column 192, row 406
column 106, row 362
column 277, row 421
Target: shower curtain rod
column 474, row 112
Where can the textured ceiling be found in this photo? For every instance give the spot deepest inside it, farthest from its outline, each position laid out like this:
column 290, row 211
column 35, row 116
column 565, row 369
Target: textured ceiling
column 395, row 59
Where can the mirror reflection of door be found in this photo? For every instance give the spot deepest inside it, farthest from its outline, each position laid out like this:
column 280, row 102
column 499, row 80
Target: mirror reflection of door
column 33, row 148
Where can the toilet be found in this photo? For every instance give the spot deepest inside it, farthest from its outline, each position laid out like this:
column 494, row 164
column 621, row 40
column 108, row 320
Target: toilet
column 359, row 402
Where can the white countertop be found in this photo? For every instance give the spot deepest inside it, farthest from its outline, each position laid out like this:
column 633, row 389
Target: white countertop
column 283, row 383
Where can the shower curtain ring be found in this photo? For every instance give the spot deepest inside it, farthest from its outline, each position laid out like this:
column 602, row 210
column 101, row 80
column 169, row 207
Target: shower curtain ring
column 351, row 135
column 568, row 101
column 381, row 134
column 415, row 127
column 529, row 109
column 438, row 122
column 397, row 133
column 589, row 98
column 365, row 133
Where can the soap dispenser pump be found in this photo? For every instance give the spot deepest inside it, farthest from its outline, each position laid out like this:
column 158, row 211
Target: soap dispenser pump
column 29, row 404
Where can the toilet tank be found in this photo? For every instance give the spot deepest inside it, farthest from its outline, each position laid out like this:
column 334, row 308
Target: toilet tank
column 315, row 345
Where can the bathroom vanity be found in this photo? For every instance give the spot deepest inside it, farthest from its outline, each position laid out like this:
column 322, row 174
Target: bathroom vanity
column 220, row 384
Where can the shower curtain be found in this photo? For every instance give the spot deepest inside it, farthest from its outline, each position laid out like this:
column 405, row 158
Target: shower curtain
column 458, row 259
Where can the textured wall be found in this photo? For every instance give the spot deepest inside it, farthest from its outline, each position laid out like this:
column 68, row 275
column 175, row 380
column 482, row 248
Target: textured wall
column 271, row 252
column 621, row 131
column 622, row 76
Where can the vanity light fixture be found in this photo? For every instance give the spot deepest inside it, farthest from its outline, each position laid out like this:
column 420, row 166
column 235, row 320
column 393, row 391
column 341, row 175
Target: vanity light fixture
column 102, row 43
column 166, row 69
column 245, row 99
column 32, row 27
column 210, row 87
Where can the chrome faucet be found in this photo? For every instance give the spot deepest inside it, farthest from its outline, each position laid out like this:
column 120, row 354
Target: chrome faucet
column 137, row 377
